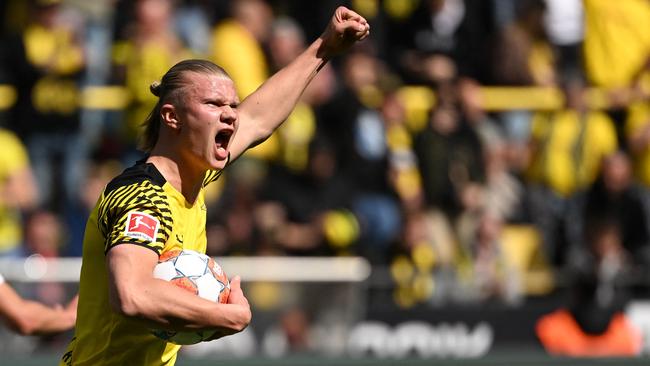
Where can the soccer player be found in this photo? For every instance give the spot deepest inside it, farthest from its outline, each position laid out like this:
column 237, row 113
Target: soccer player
column 197, row 127
column 28, row 317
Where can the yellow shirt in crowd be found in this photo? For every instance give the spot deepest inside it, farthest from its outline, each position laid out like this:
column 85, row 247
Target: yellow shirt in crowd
column 13, row 159
column 570, row 148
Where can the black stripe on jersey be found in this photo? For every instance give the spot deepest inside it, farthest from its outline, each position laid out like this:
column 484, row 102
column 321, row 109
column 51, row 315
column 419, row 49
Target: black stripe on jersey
column 129, row 196
column 138, row 188
column 133, row 243
column 154, row 195
column 213, row 175
column 110, row 197
column 136, row 174
column 119, row 205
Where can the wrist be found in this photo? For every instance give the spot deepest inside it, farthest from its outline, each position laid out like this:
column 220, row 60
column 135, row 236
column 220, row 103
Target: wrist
column 322, row 50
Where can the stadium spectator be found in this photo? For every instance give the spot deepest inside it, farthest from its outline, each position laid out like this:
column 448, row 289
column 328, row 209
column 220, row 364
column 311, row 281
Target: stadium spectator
column 44, row 234
column 29, row 317
column 450, row 158
column 638, row 141
column 564, row 24
column 76, row 214
column 616, row 52
column 567, row 147
column 424, row 40
column 304, row 200
column 18, row 192
column 237, row 44
column 286, row 41
column 614, row 197
column 432, row 40
column 146, row 47
column 45, row 63
column 503, row 192
column 192, row 21
column 493, row 278
column 522, row 56
column 44, row 238
column 197, row 127
column 593, row 323
column 290, row 144
column 356, row 120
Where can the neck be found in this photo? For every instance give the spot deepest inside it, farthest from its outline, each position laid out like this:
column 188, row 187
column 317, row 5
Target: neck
column 179, row 172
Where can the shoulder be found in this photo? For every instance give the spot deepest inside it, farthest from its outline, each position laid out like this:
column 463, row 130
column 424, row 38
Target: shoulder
column 136, row 175
column 134, row 207
column 140, row 186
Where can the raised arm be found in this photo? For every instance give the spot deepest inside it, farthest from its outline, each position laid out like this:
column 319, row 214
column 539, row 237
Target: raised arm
column 135, row 293
column 30, row 317
column 264, row 110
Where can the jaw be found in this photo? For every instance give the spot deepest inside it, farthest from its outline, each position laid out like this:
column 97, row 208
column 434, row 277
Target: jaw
column 218, row 157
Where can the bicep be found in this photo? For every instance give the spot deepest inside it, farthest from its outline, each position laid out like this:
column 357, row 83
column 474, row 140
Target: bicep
column 129, row 267
column 246, row 137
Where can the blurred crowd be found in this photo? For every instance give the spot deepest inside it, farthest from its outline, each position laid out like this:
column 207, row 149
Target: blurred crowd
column 394, row 152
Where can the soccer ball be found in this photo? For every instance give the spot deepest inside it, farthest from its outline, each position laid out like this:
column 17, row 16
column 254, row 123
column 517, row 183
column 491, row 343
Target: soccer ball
column 197, row 273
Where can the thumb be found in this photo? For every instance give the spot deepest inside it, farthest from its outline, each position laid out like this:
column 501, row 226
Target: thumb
column 235, row 283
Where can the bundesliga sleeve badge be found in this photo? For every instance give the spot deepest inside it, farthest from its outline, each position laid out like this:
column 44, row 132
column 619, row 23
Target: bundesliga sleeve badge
column 140, row 225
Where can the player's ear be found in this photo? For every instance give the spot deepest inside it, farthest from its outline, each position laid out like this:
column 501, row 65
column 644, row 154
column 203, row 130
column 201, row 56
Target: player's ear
column 169, row 116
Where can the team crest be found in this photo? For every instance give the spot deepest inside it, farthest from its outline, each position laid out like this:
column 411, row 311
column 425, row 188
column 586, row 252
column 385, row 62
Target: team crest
column 141, row 226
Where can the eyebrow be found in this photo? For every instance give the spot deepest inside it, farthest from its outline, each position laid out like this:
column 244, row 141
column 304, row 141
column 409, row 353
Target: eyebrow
column 221, row 100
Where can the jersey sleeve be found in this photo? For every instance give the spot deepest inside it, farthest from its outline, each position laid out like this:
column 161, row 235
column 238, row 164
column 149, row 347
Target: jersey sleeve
column 136, row 214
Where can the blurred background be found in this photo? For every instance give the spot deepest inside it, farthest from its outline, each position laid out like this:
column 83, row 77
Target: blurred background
column 470, row 183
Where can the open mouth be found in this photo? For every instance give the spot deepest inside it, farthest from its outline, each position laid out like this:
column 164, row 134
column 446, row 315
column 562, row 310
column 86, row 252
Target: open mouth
column 222, row 139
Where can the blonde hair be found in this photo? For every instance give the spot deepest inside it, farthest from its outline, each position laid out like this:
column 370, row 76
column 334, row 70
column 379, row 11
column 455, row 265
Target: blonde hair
column 170, row 90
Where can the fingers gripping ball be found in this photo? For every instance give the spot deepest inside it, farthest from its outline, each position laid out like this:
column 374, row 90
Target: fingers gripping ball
column 198, row 274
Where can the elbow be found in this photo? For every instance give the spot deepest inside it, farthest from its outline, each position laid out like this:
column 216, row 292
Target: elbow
column 126, row 305
column 261, row 135
column 245, row 320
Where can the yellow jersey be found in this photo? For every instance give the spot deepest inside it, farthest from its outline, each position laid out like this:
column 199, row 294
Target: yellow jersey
column 571, row 147
column 13, row 159
column 138, row 207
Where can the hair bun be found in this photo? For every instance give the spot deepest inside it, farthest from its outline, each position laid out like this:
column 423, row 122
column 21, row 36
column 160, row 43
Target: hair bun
column 155, row 88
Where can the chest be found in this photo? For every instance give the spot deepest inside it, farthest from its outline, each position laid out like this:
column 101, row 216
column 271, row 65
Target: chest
column 188, row 226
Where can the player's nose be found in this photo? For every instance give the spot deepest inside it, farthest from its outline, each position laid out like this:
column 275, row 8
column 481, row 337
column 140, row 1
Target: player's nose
column 229, row 115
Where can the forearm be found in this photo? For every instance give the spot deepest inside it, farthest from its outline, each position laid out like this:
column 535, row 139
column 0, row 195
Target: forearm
column 36, row 318
column 265, row 109
column 30, row 317
column 161, row 304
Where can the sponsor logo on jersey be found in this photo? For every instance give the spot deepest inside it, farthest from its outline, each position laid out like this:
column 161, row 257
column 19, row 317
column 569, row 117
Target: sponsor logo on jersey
column 141, row 226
